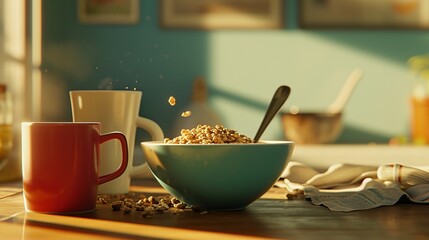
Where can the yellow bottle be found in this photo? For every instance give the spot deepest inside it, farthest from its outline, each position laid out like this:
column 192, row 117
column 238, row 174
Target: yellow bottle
column 420, row 100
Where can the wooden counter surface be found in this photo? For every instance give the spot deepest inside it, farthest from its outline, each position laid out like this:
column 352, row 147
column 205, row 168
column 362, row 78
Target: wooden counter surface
column 271, row 217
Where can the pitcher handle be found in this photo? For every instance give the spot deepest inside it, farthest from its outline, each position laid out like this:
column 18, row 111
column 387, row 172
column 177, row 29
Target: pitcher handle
column 156, row 134
column 151, row 127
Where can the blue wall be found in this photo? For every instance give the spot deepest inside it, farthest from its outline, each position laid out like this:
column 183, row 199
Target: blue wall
column 243, row 68
column 142, row 57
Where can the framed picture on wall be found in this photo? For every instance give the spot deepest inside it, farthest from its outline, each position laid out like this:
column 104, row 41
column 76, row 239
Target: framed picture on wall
column 109, row 11
column 364, row 14
column 221, row 14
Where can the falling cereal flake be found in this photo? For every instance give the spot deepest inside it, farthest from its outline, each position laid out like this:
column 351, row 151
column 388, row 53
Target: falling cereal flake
column 186, row 114
column 172, row 101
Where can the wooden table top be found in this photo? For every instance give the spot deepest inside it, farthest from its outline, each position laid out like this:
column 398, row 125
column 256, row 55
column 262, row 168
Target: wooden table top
column 271, row 217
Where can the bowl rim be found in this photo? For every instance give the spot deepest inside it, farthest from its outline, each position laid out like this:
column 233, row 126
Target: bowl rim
column 260, row 143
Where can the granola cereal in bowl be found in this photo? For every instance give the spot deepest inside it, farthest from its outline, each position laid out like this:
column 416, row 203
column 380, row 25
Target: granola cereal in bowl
column 215, row 168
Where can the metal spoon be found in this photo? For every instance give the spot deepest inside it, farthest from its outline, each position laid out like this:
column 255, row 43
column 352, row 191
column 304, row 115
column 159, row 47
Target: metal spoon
column 279, row 98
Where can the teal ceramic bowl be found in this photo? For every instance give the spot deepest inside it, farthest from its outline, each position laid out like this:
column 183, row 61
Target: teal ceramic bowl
column 218, row 176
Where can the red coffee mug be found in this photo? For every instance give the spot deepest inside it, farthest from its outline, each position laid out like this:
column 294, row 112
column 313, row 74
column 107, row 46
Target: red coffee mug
column 60, row 165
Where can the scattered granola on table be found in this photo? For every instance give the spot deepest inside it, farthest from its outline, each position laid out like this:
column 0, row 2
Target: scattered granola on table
column 295, row 194
column 147, row 207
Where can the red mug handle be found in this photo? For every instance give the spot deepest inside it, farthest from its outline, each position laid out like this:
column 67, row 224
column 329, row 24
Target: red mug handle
column 118, row 172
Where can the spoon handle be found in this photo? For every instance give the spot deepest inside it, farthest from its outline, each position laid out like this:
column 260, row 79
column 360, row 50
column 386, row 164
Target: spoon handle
column 279, row 98
column 345, row 93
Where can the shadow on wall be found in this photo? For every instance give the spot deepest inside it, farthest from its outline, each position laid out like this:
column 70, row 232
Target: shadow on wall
column 349, row 135
column 243, row 100
column 355, row 135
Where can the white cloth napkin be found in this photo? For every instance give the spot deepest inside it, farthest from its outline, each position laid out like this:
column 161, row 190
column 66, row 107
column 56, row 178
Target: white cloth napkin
column 349, row 187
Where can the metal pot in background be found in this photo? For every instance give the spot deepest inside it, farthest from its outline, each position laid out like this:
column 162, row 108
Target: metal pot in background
column 307, row 127
column 312, row 127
